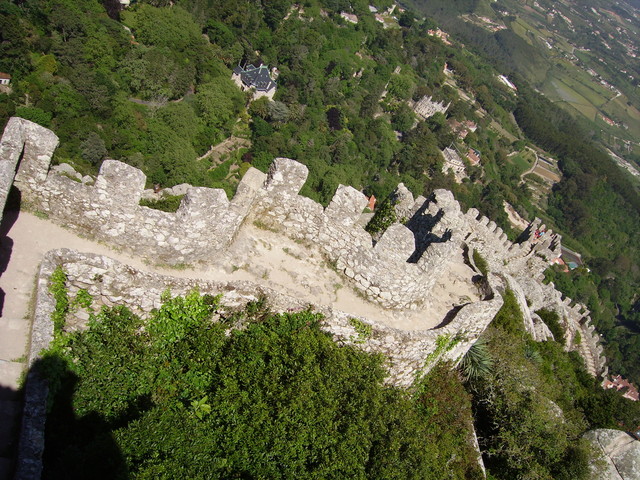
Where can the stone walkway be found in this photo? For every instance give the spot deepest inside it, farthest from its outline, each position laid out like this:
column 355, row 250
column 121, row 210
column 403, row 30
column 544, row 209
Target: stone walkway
column 257, row 255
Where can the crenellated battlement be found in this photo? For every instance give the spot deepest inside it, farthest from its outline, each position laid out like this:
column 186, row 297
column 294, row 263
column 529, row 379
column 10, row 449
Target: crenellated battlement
column 26, row 144
column 398, row 271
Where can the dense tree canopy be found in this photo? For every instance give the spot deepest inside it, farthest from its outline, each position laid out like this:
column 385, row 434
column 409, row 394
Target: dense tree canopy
column 184, row 396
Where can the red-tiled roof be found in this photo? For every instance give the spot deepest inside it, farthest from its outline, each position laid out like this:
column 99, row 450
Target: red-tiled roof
column 5, row 76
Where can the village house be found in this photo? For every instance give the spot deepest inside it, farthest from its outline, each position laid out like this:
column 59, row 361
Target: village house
column 349, row 17
column 457, row 128
column 5, row 78
column 444, row 36
column 507, row 82
column 256, row 79
column 462, row 129
column 473, row 156
column 452, row 161
column 622, row 384
column 426, row 107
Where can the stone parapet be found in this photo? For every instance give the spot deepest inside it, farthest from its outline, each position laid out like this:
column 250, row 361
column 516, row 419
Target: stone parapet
column 110, row 283
column 398, row 272
column 26, row 145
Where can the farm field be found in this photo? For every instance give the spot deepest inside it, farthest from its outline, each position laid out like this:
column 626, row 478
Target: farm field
column 558, row 91
column 619, row 110
column 523, row 161
column 546, row 174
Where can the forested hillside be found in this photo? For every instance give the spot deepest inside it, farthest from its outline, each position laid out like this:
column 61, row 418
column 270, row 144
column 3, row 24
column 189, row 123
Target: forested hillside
column 151, row 85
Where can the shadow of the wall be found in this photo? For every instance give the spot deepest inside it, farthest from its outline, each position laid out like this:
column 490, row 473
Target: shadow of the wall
column 71, row 446
column 9, row 217
column 10, row 410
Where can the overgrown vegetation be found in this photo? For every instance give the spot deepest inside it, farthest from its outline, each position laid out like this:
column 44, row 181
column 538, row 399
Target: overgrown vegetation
column 477, row 362
column 363, row 330
column 383, row 218
column 509, row 317
column 58, row 289
column 533, row 401
column 552, row 320
column 480, row 262
column 169, row 203
column 181, row 396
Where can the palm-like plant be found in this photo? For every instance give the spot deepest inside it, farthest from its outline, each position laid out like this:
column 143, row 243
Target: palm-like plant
column 477, row 362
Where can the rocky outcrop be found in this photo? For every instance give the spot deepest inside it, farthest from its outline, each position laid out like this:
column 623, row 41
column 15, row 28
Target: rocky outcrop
column 617, row 455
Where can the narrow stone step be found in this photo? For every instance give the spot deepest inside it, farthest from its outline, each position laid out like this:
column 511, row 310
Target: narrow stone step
column 10, row 374
column 13, row 336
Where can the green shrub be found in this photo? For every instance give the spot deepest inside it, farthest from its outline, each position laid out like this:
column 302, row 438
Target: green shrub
column 577, row 339
column 181, row 396
column 383, row 218
column 363, row 330
column 170, row 203
column 58, row 288
column 221, row 172
column 477, row 362
column 552, row 320
column 480, row 262
column 509, row 318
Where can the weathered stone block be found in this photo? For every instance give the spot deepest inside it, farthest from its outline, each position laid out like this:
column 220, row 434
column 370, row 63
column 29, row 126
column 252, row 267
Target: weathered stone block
column 202, row 202
column 119, row 183
column 35, row 144
column 396, row 243
column 252, row 182
column 346, row 206
column 286, row 176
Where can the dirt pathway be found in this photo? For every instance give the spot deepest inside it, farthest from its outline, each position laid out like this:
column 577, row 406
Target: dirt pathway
column 257, row 255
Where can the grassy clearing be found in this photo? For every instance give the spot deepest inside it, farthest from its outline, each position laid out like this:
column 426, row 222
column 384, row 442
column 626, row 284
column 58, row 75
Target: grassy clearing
column 520, row 28
column 523, row 160
column 588, row 111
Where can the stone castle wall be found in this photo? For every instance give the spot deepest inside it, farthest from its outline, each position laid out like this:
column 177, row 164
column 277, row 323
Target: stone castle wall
column 206, row 222
column 398, row 271
column 110, row 283
column 27, row 143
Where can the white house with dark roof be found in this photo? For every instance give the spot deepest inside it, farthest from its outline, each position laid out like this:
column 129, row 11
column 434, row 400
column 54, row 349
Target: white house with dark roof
column 255, row 78
column 426, row 107
column 452, row 161
column 5, row 78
